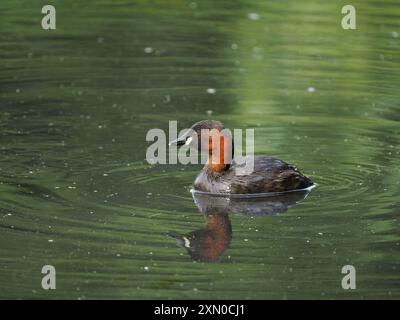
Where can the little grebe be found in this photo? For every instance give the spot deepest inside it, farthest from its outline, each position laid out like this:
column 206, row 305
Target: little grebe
column 219, row 174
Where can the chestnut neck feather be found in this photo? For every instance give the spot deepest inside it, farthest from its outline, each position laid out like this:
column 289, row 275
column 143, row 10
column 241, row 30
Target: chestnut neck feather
column 217, row 161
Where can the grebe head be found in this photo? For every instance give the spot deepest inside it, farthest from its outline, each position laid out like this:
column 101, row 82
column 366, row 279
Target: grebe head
column 199, row 132
column 211, row 137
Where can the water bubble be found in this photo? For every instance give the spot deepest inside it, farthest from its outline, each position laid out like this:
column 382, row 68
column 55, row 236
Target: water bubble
column 211, row 90
column 148, row 50
column 311, row 89
column 253, row 16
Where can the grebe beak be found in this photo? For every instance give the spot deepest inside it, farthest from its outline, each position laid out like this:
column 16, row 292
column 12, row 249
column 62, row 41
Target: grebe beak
column 181, row 141
column 177, row 142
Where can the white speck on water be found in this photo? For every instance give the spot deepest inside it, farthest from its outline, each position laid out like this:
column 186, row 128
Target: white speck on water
column 291, row 258
column 320, row 233
column 149, row 194
column 209, row 112
column 253, row 16
column 311, row 89
column 246, row 240
column 51, row 240
column 148, row 50
column 17, row 90
column 118, row 255
column 105, row 175
column 211, row 90
column 234, row 46
column 167, row 98
column 146, row 268
column 395, row 34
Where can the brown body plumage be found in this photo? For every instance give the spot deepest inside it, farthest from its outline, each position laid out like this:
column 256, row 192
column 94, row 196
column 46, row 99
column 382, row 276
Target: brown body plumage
column 269, row 175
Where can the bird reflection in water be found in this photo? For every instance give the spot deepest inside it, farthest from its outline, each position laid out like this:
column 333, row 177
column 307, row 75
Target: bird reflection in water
column 208, row 243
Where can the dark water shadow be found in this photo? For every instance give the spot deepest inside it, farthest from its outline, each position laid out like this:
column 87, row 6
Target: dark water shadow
column 207, row 244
